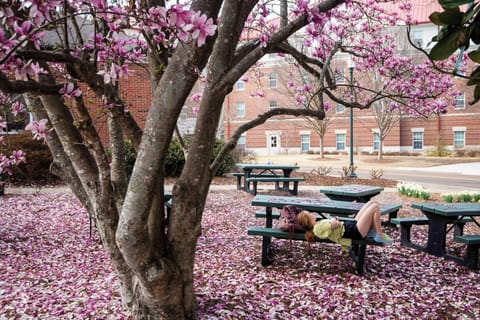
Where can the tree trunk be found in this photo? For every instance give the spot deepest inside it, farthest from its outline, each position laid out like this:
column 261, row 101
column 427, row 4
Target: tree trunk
column 380, row 149
column 321, row 148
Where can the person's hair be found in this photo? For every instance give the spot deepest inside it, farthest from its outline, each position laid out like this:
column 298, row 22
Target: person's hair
column 305, row 220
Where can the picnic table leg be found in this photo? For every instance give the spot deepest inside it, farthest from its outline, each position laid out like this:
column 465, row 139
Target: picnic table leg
column 266, row 241
column 266, row 257
column 471, row 257
column 358, row 255
column 239, row 183
column 437, row 229
column 294, row 191
column 391, row 215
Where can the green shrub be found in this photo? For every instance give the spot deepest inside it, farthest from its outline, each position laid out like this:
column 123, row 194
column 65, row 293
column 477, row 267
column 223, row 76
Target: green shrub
column 37, row 169
column 228, row 164
column 175, row 159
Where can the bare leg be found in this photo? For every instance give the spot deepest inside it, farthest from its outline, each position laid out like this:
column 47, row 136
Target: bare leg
column 369, row 218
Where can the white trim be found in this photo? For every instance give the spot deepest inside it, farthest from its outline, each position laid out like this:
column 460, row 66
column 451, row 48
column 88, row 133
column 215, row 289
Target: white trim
column 418, row 129
column 459, row 129
column 303, row 132
column 341, row 131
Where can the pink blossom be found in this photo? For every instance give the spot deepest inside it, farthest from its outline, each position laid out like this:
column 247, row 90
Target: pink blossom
column 264, row 40
column 17, row 108
column 38, row 128
column 18, row 156
column 69, row 91
column 178, row 16
column 201, row 27
column 196, row 96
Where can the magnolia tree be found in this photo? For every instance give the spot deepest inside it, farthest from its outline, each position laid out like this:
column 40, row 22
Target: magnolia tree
column 54, row 51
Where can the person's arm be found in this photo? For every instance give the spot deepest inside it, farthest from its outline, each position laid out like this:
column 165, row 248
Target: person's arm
column 335, row 223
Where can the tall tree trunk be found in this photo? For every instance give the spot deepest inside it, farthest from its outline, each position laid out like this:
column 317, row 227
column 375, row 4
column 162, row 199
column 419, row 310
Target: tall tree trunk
column 322, row 155
column 380, row 149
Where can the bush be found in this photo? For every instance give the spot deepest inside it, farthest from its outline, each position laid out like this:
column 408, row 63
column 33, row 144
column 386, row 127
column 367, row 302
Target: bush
column 176, row 160
column 37, row 169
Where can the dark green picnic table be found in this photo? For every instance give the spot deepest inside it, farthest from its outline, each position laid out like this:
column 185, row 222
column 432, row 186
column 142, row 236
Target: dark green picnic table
column 351, row 192
column 439, row 216
column 318, row 205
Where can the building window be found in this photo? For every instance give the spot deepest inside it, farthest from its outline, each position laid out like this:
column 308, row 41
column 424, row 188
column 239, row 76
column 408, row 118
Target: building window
column 340, row 140
column 340, row 76
column 240, row 107
column 240, row 85
column 417, row 140
column 272, row 104
column 305, row 142
column 272, row 80
column 460, row 101
column 376, row 141
column 340, row 108
column 417, row 38
column 241, row 143
column 273, row 142
column 458, row 139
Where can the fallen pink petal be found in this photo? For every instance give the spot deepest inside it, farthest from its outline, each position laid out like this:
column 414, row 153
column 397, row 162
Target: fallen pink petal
column 50, row 268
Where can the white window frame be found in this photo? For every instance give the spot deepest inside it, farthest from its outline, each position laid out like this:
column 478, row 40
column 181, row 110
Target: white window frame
column 457, row 130
column 459, row 101
column 242, row 142
column 376, row 140
column 272, row 80
column 240, row 85
column 415, row 133
column 338, row 141
column 340, row 108
column 240, row 109
column 272, row 104
column 304, row 141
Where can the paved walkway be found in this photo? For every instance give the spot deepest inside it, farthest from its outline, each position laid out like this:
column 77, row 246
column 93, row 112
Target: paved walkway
column 472, row 168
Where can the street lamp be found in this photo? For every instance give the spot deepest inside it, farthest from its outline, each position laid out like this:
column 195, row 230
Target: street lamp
column 351, row 66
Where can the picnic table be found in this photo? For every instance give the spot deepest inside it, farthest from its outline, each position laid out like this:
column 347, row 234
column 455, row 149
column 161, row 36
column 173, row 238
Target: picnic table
column 265, row 172
column 440, row 216
column 320, row 206
column 351, row 192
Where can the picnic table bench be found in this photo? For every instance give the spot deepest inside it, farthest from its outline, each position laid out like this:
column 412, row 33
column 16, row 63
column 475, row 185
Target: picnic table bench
column 264, row 172
column 284, row 180
column 357, row 250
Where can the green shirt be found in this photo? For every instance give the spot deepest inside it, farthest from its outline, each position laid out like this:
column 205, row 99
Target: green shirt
column 323, row 230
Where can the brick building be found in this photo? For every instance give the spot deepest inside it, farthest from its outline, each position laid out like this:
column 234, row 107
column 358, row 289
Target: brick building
column 459, row 129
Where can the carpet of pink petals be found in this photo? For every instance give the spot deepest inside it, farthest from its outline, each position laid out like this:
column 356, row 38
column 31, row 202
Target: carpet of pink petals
column 51, row 269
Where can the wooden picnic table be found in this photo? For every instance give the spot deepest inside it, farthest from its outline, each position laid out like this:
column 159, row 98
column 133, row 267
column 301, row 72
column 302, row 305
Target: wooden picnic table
column 439, row 216
column 351, row 192
column 265, row 170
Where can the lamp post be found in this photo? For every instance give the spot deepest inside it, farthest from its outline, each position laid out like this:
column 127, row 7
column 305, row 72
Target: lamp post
column 351, row 66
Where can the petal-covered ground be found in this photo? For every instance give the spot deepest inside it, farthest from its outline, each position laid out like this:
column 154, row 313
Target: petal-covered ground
column 51, row 269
